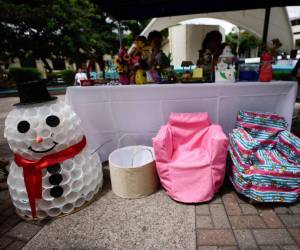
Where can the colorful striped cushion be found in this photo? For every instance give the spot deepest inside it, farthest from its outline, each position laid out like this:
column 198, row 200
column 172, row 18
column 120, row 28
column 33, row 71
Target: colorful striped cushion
column 289, row 146
column 262, row 126
column 261, row 120
column 265, row 183
column 245, row 143
column 265, row 158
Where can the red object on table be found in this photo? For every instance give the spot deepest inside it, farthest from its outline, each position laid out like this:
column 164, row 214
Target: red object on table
column 88, row 82
column 265, row 74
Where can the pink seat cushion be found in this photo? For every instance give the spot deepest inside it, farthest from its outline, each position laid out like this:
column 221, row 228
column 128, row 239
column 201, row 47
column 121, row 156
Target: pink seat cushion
column 190, row 157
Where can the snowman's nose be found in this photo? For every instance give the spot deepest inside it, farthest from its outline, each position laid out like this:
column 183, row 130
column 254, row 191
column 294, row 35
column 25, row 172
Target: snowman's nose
column 39, row 139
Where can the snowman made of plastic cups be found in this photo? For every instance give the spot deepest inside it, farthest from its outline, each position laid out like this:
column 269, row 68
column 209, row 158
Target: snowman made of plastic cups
column 53, row 172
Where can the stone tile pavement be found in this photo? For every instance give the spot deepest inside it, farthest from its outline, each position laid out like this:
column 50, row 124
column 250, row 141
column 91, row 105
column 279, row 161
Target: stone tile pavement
column 227, row 222
column 230, row 222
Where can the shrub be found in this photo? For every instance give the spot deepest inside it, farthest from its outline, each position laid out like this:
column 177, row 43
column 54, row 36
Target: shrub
column 52, row 76
column 24, row 74
column 68, row 76
column 282, row 76
column 7, row 84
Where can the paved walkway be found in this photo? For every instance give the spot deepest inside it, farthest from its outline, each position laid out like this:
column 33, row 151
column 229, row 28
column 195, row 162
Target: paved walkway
column 155, row 222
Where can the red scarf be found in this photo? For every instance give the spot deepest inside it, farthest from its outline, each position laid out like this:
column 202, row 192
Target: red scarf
column 32, row 170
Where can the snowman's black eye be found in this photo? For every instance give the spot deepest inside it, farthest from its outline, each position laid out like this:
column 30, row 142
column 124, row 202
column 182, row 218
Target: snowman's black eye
column 52, row 120
column 23, row 126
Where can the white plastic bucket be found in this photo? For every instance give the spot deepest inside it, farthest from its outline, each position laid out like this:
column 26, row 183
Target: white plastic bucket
column 133, row 172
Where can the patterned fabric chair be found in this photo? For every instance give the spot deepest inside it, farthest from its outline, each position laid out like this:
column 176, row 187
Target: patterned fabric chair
column 265, row 158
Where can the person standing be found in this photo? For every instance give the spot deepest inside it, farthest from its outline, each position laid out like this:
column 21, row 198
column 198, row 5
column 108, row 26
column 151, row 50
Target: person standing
column 157, row 60
column 212, row 44
column 209, row 54
column 79, row 77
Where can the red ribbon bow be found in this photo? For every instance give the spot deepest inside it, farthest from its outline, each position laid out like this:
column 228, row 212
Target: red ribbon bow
column 32, row 170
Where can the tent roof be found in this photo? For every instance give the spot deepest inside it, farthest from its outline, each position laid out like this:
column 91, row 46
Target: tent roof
column 251, row 20
column 142, row 9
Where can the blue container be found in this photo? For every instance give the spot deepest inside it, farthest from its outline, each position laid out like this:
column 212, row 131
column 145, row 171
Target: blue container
column 249, row 72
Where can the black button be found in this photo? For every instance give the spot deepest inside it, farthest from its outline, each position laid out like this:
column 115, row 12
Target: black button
column 56, row 191
column 23, row 126
column 52, row 121
column 54, row 169
column 55, row 179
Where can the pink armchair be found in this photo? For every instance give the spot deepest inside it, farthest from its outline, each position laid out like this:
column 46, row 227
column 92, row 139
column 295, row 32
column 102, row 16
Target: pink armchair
column 190, row 156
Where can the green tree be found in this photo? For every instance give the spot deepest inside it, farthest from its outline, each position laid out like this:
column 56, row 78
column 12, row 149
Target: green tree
column 73, row 29
column 297, row 45
column 132, row 29
column 247, row 41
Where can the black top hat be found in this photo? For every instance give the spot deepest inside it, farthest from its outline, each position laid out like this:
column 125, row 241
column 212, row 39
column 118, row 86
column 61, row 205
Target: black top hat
column 33, row 92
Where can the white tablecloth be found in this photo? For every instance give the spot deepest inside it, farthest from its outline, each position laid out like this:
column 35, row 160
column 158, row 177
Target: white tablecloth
column 131, row 115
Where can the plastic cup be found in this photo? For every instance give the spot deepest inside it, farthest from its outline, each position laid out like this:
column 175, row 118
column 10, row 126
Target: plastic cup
column 78, row 159
column 66, row 188
column 44, row 204
column 67, row 208
column 66, row 178
column 60, row 137
column 20, row 144
column 76, row 174
column 46, row 183
column 46, row 195
column 79, row 202
column 90, row 195
column 48, row 143
column 86, row 178
column 53, row 212
column 30, row 112
column 59, row 202
column 22, row 195
column 20, row 185
column 11, row 181
column 41, row 214
column 85, row 190
column 77, row 185
column 56, row 107
column 44, row 112
column 28, row 213
column 21, row 205
column 72, row 197
column 68, row 165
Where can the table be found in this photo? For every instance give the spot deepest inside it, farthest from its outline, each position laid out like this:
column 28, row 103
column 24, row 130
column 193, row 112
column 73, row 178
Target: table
column 132, row 115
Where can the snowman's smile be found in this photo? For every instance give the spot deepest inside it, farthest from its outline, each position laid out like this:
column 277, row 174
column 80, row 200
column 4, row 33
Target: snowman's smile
column 43, row 151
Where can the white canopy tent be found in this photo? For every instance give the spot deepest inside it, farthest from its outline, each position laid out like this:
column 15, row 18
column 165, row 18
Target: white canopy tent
column 251, row 20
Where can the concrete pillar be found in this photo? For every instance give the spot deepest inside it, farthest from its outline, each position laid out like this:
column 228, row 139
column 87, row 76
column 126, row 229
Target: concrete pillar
column 186, row 40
